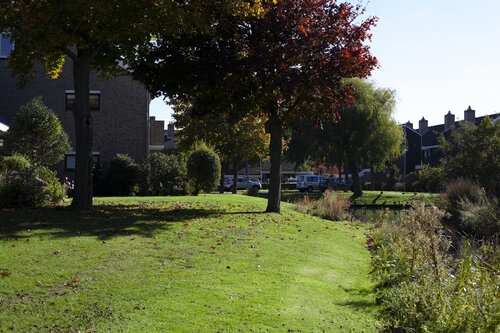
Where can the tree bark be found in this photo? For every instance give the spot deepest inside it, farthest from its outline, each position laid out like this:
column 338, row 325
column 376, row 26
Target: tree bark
column 82, row 199
column 221, row 179
column 275, row 130
column 234, row 190
column 356, row 184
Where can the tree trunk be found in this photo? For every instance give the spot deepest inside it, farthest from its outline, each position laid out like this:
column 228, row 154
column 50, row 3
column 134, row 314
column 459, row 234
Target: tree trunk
column 82, row 199
column 234, row 190
column 221, row 179
column 356, row 184
column 275, row 131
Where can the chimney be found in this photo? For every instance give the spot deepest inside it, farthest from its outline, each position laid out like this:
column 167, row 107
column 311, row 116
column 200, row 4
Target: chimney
column 409, row 124
column 423, row 125
column 470, row 115
column 170, row 130
column 449, row 121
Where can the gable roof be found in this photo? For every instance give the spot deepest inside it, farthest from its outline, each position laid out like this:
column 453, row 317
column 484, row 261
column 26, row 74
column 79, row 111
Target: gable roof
column 430, row 137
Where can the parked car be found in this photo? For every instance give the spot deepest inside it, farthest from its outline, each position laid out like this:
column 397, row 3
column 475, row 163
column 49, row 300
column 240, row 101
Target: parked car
column 311, row 183
column 243, row 183
column 291, row 180
column 339, row 184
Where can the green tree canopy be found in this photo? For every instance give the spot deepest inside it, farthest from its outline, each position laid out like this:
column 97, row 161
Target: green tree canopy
column 290, row 57
column 37, row 134
column 94, row 35
column 235, row 140
column 365, row 133
column 473, row 152
column 101, row 35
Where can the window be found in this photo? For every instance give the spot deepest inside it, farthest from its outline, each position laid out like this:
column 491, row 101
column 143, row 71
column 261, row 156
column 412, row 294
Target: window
column 94, row 100
column 6, row 46
column 70, row 160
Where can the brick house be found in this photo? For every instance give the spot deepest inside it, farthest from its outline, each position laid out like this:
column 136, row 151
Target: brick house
column 423, row 145
column 120, row 108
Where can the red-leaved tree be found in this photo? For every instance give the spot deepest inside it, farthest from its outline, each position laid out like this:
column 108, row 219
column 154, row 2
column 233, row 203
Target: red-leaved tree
column 287, row 63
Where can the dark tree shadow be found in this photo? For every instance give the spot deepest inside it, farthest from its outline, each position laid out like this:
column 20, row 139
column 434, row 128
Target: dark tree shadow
column 103, row 222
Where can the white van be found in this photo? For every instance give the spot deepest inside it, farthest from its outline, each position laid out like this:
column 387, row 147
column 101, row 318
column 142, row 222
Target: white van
column 310, row 183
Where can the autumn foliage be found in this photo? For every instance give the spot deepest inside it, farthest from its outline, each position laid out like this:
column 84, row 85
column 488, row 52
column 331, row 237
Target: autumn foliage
column 285, row 62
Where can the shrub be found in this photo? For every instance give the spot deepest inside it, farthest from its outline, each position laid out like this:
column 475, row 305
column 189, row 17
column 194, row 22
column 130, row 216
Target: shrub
column 480, row 219
column 332, row 206
column 430, row 179
column 23, row 189
column 37, row 133
column 422, row 288
column 203, row 169
column 161, row 174
column 57, row 191
column 15, row 162
column 122, row 176
column 459, row 190
column 252, row 191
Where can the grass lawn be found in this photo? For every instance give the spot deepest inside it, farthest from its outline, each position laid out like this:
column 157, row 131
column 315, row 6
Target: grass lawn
column 213, row 263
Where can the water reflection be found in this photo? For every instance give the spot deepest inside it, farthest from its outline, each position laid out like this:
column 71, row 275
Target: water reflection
column 372, row 214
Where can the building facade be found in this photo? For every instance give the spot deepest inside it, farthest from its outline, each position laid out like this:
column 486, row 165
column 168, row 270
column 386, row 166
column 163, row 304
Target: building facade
column 119, row 106
column 423, row 143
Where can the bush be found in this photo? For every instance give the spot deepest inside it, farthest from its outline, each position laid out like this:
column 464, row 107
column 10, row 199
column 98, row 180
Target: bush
column 15, row 162
column 430, row 179
column 203, row 169
column 161, row 174
column 23, row 189
column 57, row 191
column 122, row 176
column 422, row 288
column 480, row 219
column 252, row 191
column 332, row 206
column 37, row 133
column 457, row 191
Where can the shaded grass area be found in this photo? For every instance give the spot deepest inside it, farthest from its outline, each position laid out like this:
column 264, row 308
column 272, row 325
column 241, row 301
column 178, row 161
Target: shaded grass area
column 213, row 263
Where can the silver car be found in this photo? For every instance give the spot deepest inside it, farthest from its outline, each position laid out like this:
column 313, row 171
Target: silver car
column 243, row 183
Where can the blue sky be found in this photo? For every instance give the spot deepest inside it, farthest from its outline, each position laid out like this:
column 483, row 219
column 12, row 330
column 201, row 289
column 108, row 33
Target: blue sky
column 437, row 55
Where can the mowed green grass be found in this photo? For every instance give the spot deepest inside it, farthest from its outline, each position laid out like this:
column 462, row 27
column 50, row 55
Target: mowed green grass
column 212, row 263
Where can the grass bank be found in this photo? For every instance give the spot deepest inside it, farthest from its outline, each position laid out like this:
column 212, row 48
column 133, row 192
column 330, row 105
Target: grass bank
column 213, row 263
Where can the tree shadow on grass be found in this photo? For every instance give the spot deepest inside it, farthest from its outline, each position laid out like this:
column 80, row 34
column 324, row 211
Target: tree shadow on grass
column 104, row 222
column 361, row 300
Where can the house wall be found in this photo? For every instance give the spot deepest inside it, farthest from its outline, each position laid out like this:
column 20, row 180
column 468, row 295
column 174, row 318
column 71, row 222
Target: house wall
column 411, row 159
column 156, row 134
column 120, row 126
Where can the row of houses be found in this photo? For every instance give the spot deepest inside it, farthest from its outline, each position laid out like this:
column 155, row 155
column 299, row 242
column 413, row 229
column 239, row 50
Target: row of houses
column 421, row 147
column 422, row 144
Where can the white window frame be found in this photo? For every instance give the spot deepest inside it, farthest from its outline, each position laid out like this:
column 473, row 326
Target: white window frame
column 70, row 160
column 94, row 95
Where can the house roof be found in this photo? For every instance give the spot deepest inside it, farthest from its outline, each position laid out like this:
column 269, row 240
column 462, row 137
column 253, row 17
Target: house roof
column 430, row 137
